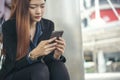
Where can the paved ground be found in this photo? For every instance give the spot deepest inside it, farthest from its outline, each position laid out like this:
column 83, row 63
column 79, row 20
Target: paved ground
column 102, row 76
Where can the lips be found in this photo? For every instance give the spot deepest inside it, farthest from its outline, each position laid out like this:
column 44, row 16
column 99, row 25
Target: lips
column 37, row 17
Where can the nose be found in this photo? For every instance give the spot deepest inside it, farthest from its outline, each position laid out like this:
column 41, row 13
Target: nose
column 38, row 10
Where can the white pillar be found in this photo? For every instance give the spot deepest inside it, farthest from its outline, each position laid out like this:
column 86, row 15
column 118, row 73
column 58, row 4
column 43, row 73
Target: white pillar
column 66, row 15
column 101, row 62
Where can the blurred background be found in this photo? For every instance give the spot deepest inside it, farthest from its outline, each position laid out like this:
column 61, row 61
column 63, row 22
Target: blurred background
column 92, row 33
column 100, row 22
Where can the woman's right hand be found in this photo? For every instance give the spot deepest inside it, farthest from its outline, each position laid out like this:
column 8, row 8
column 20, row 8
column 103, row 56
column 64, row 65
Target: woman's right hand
column 44, row 48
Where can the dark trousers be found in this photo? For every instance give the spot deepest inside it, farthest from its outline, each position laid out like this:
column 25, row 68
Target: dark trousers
column 39, row 71
column 58, row 71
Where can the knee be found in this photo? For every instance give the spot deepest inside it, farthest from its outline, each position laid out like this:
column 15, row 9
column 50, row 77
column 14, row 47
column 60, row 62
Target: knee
column 40, row 71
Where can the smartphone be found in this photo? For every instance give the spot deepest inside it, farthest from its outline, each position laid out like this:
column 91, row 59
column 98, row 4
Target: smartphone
column 57, row 34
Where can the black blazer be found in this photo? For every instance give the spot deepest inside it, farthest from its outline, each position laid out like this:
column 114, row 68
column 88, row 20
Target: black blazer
column 10, row 46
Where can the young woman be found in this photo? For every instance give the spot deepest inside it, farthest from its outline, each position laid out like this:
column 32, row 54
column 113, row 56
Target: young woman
column 30, row 53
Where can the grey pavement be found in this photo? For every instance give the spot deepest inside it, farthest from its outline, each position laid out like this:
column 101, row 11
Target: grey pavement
column 102, row 76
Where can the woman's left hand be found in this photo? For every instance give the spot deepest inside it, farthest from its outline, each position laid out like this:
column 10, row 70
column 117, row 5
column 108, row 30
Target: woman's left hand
column 60, row 47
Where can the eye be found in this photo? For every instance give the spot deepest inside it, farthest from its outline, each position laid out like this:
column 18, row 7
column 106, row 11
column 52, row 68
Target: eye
column 32, row 7
column 42, row 6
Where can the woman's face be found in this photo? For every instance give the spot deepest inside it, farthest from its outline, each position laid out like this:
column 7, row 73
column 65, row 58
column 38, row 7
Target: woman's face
column 36, row 9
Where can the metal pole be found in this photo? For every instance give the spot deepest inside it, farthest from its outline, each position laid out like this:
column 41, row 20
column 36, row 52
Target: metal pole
column 97, row 10
column 114, row 10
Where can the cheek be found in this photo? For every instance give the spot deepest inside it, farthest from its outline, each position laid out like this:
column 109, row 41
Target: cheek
column 43, row 12
column 31, row 12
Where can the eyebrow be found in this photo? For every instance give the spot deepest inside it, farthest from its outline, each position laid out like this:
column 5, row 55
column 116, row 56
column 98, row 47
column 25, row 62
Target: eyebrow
column 37, row 4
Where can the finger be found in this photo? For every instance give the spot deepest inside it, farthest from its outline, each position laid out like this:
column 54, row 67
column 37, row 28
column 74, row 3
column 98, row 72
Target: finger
column 51, row 40
column 44, row 42
column 61, row 50
column 60, row 42
column 60, row 38
column 49, row 50
column 50, row 45
column 60, row 46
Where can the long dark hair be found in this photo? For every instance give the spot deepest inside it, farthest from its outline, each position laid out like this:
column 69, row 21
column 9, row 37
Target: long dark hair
column 20, row 12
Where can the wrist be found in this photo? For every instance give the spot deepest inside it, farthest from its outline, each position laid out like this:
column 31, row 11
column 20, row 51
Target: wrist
column 32, row 56
column 57, row 56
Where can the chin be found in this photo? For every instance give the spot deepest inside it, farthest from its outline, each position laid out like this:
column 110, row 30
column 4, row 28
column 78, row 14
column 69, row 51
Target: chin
column 37, row 20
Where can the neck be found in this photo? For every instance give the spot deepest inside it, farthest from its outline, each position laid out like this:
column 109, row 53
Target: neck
column 33, row 24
